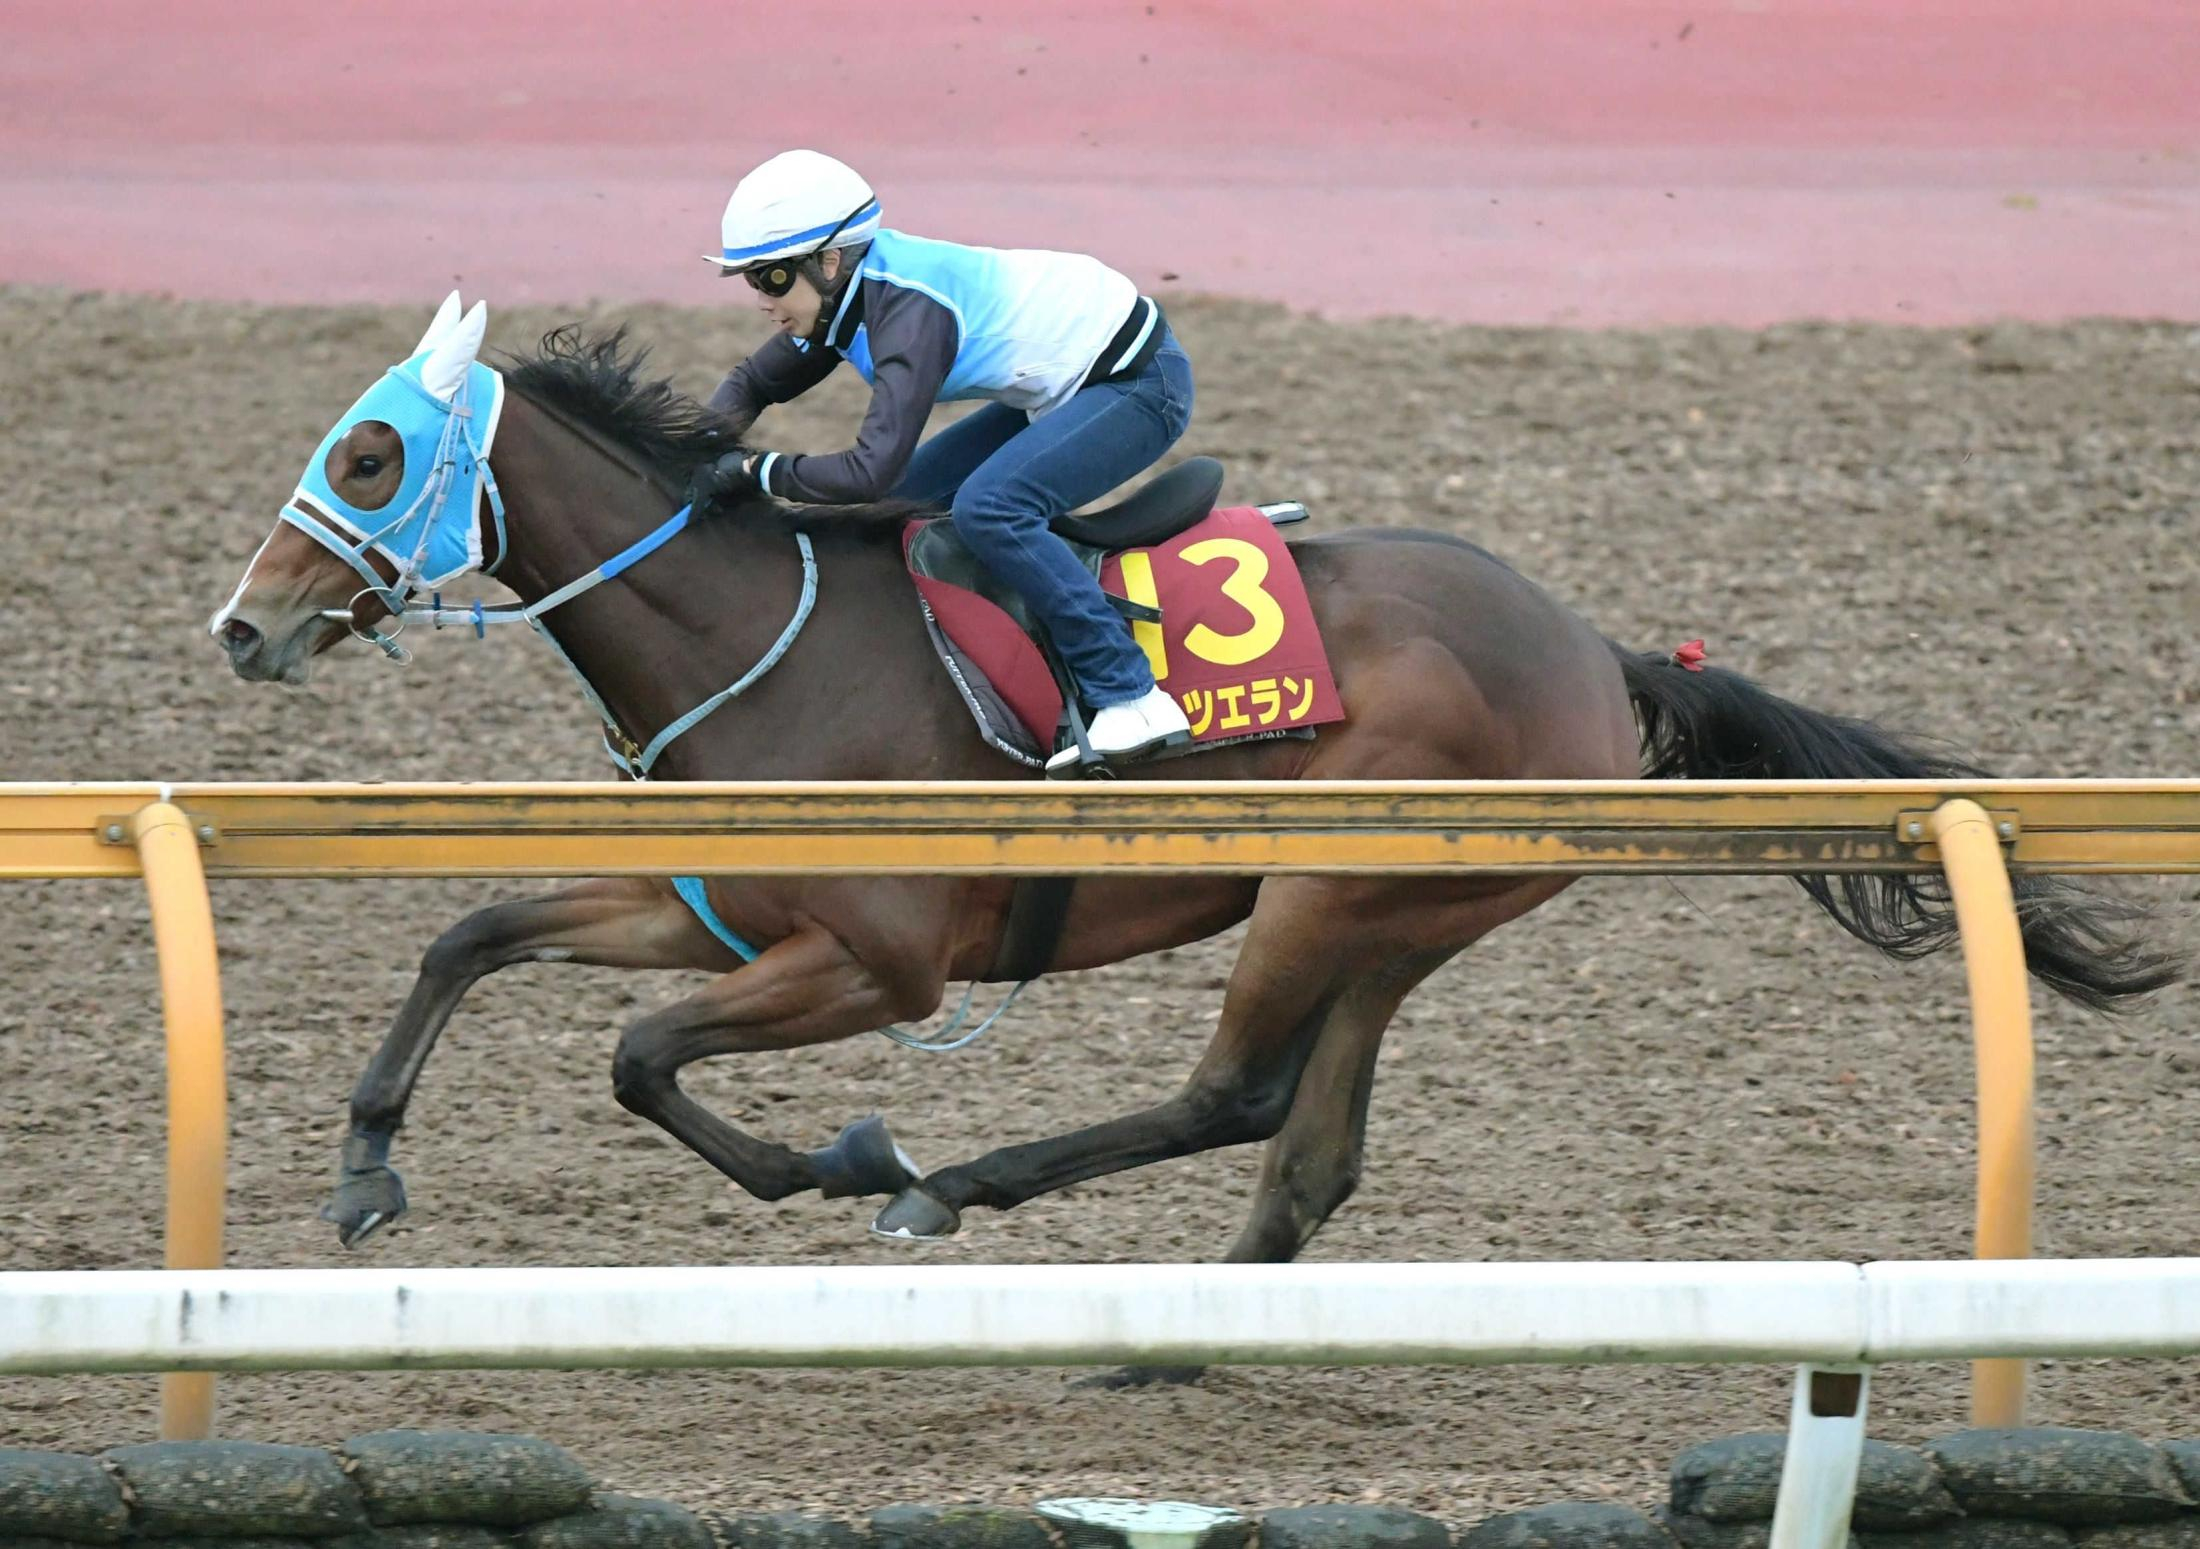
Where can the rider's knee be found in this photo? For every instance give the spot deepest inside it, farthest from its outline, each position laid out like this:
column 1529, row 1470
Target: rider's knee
column 983, row 513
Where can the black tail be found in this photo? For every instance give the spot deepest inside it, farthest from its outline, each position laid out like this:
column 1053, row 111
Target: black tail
column 1717, row 725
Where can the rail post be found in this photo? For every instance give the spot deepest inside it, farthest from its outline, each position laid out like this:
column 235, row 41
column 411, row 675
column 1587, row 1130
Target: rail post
column 1825, row 1447
column 2001, row 1032
column 198, row 1102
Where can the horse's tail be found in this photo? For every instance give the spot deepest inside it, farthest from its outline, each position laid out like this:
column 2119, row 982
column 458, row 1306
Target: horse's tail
column 1711, row 724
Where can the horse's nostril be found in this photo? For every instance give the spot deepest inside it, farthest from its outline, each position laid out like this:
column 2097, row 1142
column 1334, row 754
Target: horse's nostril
column 239, row 638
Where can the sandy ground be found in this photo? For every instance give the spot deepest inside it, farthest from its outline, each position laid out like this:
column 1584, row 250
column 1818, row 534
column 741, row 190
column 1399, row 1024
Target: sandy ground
column 1987, row 536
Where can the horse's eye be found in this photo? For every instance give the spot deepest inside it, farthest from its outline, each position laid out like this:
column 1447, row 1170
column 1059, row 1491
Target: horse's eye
column 368, row 466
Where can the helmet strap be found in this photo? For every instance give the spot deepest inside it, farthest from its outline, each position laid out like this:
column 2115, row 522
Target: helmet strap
column 812, row 268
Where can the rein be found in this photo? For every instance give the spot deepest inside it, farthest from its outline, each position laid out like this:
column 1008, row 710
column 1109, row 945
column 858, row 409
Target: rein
column 634, row 758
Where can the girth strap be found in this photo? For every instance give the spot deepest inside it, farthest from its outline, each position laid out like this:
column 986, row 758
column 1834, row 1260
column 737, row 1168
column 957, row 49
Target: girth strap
column 1038, row 912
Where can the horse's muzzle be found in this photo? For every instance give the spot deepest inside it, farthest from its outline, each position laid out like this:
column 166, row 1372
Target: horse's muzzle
column 253, row 657
column 242, row 641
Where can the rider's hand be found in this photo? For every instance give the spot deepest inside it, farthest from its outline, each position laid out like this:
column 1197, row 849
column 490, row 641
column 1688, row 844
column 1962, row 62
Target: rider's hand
column 732, row 474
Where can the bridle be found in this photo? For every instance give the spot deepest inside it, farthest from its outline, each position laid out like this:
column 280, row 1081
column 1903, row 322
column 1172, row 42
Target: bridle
column 322, row 524
column 636, row 758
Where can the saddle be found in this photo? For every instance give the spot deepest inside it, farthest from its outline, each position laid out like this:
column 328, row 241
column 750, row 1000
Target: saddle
column 1157, row 513
column 1155, row 555
column 1014, row 684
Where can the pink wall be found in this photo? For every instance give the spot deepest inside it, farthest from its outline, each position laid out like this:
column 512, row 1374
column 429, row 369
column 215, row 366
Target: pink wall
column 1598, row 161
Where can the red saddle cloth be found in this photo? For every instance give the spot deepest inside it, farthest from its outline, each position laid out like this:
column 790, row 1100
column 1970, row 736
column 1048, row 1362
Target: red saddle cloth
column 1236, row 645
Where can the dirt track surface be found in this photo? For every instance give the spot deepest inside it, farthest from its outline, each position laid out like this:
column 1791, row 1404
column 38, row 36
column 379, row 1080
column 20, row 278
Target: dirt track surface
column 1985, row 536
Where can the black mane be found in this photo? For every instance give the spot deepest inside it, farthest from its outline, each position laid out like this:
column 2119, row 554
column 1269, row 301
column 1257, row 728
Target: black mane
column 598, row 381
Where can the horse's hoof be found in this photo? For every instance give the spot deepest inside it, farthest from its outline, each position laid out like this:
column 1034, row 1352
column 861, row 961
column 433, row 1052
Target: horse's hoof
column 864, row 1159
column 1141, row 1377
column 365, row 1201
column 915, row 1216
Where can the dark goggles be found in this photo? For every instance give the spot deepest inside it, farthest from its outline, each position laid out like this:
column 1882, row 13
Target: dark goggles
column 773, row 279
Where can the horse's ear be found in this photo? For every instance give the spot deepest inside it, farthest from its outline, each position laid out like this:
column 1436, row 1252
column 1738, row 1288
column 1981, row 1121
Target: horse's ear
column 444, row 371
column 446, row 318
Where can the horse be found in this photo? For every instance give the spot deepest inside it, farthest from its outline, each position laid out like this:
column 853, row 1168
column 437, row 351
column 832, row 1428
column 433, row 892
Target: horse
column 1449, row 662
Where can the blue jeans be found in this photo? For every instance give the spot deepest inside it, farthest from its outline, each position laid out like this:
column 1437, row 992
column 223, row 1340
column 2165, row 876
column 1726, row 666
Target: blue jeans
column 1008, row 476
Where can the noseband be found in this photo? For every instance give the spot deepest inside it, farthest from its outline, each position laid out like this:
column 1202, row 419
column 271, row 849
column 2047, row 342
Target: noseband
column 316, row 510
column 455, row 450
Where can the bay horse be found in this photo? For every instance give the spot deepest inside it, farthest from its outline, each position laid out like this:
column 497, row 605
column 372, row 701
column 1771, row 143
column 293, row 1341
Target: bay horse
column 1450, row 664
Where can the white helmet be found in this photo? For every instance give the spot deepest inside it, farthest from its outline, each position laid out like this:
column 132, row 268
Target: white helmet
column 797, row 203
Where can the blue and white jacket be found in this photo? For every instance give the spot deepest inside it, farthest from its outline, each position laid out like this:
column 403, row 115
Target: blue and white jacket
column 929, row 322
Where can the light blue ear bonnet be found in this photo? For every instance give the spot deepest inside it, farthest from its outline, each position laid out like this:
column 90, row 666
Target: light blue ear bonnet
column 428, row 530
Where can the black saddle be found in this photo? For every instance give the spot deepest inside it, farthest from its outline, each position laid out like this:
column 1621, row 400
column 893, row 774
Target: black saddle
column 1157, row 513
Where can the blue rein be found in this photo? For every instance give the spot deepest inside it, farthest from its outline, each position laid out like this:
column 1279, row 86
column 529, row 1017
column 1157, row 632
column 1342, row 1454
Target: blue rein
column 636, row 760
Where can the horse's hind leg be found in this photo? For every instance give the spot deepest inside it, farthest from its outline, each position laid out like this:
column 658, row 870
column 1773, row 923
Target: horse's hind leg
column 1310, row 939
column 628, row 922
column 1297, row 957
column 1313, row 1164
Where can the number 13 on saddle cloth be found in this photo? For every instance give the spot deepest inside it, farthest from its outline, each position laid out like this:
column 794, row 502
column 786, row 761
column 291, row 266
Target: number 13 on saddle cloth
column 1236, row 643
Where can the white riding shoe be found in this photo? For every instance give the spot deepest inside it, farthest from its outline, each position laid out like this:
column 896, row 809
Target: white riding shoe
column 1122, row 733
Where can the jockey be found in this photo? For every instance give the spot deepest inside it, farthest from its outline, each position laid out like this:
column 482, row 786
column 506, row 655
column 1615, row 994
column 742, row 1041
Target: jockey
column 1085, row 386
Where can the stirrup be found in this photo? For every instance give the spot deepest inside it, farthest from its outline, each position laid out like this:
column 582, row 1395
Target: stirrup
column 1089, row 763
column 1092, row 764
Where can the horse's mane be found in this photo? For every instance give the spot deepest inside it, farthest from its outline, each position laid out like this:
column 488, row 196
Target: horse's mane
column 598, row 380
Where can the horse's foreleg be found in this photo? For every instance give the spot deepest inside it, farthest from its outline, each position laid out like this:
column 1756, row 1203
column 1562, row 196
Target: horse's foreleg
column 807, row 989
column 624, row 923
column 1289, row 973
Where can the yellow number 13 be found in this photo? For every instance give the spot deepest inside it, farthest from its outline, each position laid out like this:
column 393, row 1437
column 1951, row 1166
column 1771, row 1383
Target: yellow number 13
column 1243, row 588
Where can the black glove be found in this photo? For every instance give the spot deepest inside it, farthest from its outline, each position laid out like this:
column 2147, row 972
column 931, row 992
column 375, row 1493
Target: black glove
column 732, row 474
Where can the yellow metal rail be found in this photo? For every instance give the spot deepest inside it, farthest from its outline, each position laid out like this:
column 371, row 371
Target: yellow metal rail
column 2001, row 1034
column 1977, row 831
column 167, row 847
column 1156, row 827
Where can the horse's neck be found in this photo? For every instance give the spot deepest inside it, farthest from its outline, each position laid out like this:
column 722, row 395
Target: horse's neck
column 684, row 622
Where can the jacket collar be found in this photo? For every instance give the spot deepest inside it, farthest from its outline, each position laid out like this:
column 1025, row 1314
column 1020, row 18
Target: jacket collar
column 840, row 333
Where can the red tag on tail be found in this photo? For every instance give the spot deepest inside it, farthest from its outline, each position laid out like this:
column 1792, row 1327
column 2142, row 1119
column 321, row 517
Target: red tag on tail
column 1689, row 654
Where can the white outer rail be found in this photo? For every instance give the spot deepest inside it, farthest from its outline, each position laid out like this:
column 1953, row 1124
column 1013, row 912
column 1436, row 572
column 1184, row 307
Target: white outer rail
column 1822, row 1314
column 1835, row 1319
